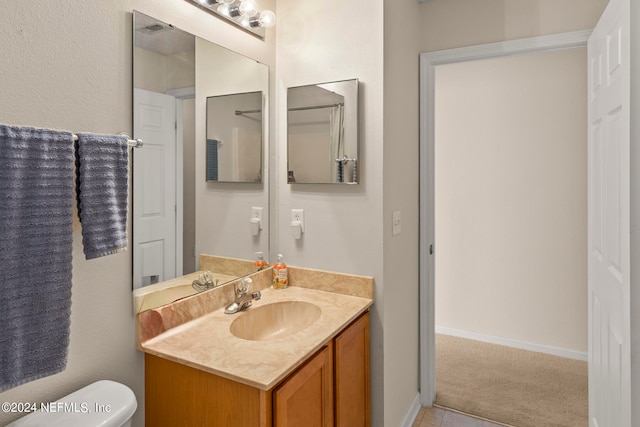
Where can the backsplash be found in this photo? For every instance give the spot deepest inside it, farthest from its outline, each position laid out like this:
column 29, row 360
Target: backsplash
column 230, row 266
column 158, row 320
column 347, row 284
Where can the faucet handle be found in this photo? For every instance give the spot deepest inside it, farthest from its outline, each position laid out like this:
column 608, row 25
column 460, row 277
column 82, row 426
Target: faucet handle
column 205, row 278
column 237, row 290
column 243, row 287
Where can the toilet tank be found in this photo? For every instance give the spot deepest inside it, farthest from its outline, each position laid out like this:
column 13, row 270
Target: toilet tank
column 104, row 403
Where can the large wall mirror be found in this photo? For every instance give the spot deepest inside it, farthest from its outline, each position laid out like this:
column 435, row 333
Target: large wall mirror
column 177, row 214
column 322, row 133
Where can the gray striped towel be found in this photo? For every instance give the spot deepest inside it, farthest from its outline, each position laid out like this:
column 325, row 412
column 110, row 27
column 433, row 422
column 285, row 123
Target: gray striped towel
column 36, row 213
column 102, row 168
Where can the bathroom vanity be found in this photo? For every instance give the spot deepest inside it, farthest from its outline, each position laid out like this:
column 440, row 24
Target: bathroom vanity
column 256, row 369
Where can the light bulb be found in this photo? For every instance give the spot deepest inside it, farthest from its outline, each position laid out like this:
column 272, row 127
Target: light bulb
column 248, row 8
column 267, row 19
column 223, row 9
column 245, row 21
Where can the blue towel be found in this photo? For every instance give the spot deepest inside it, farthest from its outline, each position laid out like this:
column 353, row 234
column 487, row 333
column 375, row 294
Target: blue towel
column 102, row 168
column 212, row 159
column 36, row 213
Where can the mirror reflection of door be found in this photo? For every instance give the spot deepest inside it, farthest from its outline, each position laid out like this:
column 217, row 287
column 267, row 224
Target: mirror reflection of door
column 164, row 79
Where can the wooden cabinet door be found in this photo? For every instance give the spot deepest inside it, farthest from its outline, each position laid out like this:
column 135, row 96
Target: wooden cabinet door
column 352, row 390
column 179, row 395
column 306, row 398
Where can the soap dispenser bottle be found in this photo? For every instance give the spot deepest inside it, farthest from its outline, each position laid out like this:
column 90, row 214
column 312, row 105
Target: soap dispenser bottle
column 280, row 276
column 260, row 264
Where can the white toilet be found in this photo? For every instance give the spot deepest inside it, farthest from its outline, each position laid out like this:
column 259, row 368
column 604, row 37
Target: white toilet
column 101, row 404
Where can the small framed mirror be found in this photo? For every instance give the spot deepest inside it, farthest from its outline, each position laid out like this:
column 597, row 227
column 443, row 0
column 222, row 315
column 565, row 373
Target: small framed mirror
column 234, row 138
column 322, row 133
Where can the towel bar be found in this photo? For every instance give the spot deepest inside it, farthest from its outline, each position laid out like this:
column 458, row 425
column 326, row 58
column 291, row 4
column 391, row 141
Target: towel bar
column 135, row 143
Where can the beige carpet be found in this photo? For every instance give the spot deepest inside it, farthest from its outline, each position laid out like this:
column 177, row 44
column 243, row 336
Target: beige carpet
column 511, row 386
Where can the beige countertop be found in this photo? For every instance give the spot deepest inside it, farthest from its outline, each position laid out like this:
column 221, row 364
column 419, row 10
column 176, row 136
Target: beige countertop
column 206, row 343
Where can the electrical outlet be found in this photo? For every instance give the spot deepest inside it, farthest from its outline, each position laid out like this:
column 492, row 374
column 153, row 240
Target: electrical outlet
column 297, row 215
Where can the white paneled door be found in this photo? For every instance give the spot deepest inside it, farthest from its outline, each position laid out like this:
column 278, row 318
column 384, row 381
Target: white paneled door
column 154, row 188
column 609, row 219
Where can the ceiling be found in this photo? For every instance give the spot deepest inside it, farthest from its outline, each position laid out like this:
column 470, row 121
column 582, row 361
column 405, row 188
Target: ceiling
column 159, row 37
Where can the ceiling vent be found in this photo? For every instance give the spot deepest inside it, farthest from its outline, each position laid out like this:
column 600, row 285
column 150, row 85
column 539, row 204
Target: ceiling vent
column 154, row 28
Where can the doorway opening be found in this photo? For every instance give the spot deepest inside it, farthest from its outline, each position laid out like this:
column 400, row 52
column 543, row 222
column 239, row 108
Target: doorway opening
column 450, row 219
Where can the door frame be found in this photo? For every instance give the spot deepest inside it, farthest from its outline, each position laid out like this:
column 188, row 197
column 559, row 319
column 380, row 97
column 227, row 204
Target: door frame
column 180, row 95
column 428, row 62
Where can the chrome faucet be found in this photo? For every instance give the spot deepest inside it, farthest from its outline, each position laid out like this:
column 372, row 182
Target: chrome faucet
column 243, row 299
column 204, row 282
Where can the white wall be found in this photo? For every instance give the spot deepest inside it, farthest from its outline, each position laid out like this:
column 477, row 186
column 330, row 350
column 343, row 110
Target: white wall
column 320, row 42
column 402, row 28
column 149, row 70
column 511, row 198
column 449, row 24
column 70, row 68
column 635, row 217
column 159, row 73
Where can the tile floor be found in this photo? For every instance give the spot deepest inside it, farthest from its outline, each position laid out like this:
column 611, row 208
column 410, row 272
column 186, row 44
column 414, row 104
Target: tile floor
column 439, row 417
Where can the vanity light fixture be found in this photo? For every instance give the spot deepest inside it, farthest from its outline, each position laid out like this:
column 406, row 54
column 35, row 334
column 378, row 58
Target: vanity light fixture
column 242, row 13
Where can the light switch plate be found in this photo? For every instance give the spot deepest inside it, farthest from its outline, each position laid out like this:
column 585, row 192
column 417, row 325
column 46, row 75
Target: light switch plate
column 397, row 223
column 256, row 213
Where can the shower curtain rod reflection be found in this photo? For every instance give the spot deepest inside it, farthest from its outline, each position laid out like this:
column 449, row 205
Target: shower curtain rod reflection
column 241, row 112
column 316, row 107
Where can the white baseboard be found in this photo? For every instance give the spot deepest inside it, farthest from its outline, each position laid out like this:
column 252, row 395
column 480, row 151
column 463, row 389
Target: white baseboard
column 412, row 413
column 555, row 351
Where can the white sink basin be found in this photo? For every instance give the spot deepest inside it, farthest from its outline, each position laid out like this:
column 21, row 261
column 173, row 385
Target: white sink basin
column 274, row 320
